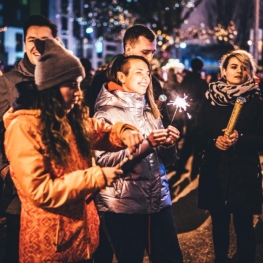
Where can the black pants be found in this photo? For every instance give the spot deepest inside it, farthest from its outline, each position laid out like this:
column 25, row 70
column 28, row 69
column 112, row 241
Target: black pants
column 130, row 237
column 243, row 224
column 104, row 252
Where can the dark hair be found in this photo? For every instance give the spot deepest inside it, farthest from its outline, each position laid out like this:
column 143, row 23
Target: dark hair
column 86, row 63
column 134, row 32
column 122, row 63
column 197, row 64
column 39, row 20
column 55, row 124
column 28, row 92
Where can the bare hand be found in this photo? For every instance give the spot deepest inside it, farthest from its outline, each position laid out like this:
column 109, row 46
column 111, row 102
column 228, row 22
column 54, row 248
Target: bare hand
column 173, row 135
column 111, row 174
column 131, row 139
column 224, row 142
column 157, row 137
column 233, row 137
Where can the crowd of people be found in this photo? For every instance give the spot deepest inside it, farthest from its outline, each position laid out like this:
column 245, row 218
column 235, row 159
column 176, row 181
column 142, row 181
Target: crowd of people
column 84, row 157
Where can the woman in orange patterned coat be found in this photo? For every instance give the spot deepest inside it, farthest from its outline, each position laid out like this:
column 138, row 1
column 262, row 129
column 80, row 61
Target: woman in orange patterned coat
column 49, row 142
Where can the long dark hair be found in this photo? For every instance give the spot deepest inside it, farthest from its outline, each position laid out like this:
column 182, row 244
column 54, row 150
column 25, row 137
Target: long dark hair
column 121, row 63
column 55, row 124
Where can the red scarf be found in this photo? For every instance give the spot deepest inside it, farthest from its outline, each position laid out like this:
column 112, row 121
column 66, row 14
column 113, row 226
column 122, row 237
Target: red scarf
column 114, row 86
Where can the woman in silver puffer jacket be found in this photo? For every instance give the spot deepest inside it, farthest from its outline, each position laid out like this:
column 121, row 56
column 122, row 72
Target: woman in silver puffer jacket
column 137, row 210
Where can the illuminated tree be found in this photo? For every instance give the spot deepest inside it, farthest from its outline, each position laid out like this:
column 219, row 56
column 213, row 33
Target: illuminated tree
column 110, row 17
column 222, row 12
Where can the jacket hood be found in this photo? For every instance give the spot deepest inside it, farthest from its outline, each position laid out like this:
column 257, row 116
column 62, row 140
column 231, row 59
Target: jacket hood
column 119, row 99
column 10, row 115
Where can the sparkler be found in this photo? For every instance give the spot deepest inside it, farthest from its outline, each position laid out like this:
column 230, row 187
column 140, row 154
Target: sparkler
column 180, row 104
column 123, row 161
column 235, row 115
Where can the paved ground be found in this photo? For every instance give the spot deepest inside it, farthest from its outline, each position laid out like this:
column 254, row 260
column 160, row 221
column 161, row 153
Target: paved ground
column 193, row 224
column 194, row 232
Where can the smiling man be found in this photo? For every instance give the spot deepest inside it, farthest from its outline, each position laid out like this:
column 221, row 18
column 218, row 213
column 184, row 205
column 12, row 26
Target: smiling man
column 36, row 26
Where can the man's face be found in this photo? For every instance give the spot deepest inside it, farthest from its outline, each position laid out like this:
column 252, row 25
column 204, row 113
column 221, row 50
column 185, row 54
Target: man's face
column 33, row 32
column 143, row 47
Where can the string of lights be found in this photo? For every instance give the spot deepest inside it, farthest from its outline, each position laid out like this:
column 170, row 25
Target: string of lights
column 202, row 35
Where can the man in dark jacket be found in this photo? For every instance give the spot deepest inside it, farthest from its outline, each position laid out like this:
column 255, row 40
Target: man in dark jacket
column 36, row 26
column 138, row 40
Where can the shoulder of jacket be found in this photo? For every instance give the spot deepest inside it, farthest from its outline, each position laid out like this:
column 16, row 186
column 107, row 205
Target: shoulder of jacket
column 26, row 119
column 106, row 113
column 10, row 75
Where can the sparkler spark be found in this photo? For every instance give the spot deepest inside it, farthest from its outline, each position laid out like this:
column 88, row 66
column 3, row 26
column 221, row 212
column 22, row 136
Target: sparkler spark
column 180, row 104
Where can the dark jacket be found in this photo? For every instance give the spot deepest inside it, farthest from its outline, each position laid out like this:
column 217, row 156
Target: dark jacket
column 232, row 176
column 143, row 188
column 8, row 93
column 100, row 78
column 194, row 87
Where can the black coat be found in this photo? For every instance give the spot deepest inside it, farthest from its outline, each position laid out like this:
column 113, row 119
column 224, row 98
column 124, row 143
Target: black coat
column 232, row 176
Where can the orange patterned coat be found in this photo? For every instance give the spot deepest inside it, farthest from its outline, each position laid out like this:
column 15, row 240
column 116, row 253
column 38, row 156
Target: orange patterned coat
column 56, row 223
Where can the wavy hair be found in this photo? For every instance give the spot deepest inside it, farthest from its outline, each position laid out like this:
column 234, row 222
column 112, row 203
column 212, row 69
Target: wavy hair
column 57, row 126
column 122, row 63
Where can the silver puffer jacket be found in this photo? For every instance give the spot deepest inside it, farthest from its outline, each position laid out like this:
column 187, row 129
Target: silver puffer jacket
column 143, row 188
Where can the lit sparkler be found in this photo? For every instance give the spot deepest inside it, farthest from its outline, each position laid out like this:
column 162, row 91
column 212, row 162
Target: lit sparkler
column 180, row 104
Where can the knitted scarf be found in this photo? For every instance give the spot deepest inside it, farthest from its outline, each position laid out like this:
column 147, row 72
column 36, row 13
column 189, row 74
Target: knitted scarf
column 222, row 94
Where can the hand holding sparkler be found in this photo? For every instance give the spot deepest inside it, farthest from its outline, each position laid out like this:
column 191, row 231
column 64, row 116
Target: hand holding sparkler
column 234, row 116
column 230, row 134
column 157, row 137
column 224, row 142
column 163, row 136
column 111, row 174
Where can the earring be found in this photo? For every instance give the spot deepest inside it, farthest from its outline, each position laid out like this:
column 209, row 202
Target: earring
column 223, row 78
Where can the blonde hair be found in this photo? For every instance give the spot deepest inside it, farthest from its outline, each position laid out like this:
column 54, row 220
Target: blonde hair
column 244, row 57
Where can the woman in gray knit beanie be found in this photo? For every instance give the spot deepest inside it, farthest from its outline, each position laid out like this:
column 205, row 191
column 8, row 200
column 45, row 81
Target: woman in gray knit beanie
column 49, row 141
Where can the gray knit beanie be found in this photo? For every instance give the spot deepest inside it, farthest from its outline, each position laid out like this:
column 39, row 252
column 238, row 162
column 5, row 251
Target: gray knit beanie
column 56, row 64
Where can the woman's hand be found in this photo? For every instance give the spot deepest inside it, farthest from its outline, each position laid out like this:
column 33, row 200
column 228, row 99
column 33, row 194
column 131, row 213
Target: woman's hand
column 131, row 139
column 164, row 136
column 224, row 142
column 157, row 137
column 111, row 174
column 173, row 135
column 233, row 137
